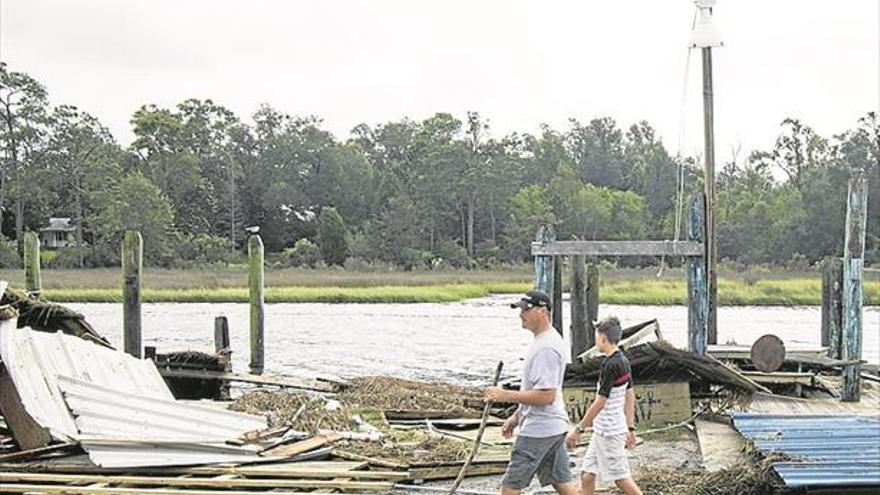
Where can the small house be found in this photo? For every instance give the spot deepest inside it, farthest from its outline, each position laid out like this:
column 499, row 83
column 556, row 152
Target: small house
column 58, row 234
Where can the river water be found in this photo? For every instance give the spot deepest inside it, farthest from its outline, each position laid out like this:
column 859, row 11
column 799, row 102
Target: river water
column 460, row 342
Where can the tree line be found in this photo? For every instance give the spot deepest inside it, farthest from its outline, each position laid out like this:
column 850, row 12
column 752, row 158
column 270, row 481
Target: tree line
column 415, row 194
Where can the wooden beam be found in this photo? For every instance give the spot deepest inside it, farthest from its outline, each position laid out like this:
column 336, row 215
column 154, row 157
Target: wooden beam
column 544, row 264
column 32, row 280
column 780, row 377
column 179, row 482
column 592, row 302
column 556, row 297
column 302, row 446
column 35, row 452
column 27, row 432
column 579, row 325
column 132, row 265
column 617, row 248
column 832, row 317
column 257, row 299
column 102, row 490
column 698, row 288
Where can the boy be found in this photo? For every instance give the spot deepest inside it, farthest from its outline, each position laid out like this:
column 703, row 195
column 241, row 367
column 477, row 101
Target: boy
column 612, row 416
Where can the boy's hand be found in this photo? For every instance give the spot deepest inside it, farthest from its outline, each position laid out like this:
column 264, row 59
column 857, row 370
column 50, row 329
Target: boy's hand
column 509, row 425
column 572, row 439
column 631, row 440
column 494, row 394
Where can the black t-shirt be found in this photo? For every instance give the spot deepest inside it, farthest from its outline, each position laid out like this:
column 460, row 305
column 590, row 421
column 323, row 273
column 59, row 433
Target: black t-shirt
column 615, row 372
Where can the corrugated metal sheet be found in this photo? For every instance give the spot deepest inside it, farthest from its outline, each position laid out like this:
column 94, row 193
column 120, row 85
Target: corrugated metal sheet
column 117, row 406
column 34, row 360
column 829, row 451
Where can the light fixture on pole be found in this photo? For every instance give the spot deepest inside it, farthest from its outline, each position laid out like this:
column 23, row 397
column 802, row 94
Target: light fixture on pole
column 705, row 36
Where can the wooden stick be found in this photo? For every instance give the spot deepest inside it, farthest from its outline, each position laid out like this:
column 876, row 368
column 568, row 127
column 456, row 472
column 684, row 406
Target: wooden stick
column 483, row 419
column 34, row 452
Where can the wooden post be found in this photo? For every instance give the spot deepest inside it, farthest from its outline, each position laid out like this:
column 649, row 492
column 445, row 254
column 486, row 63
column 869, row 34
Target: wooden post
column 33, row 281
column 832, row 273
column 544, row 264
column 132, row 264
column 556, row 297
column 592, row 302
column 853, row 262
column 223, row 348
column 255, row 281
column 579, row 325
column 709, row 204
column 698, row 295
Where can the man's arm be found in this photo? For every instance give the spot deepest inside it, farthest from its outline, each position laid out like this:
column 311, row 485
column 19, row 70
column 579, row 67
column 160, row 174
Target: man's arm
column 534, row 397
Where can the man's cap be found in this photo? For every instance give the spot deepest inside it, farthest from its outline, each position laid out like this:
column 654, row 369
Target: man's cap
column 531, row 299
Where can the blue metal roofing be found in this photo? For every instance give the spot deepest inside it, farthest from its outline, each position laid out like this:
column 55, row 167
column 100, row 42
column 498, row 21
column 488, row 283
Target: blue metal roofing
column 828, row 451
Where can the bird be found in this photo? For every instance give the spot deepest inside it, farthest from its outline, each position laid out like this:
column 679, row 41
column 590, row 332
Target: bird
column 252, row 229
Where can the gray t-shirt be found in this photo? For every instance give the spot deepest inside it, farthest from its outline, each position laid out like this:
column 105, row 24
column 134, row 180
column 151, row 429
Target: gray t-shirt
column 544, row 368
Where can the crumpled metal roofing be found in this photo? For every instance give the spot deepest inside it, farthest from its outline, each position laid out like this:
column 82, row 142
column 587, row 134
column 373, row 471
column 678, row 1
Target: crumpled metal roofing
column 828, row 451
column 117, row 406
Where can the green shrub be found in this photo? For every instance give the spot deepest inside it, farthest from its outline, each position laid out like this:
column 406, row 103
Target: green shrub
column 8, row 254
column 303, row 253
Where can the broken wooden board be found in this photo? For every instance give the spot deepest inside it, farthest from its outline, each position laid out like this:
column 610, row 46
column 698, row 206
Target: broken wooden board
column 27, row 432
column 279, row 381
column 302, row 446
column 780, row 377
column 720, row 445
column 657, row 404
column 480, row 467
column 491, row 436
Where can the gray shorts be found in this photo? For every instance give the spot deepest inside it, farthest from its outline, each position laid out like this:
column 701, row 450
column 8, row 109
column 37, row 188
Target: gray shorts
column 545, row 457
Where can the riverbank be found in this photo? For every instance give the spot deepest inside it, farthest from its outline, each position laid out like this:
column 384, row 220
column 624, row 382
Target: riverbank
column 618, row 286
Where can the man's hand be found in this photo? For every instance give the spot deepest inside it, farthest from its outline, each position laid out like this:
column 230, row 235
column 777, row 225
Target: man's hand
column 509, row 425
column 631, row 440
column 572, row 439
column 495, row 394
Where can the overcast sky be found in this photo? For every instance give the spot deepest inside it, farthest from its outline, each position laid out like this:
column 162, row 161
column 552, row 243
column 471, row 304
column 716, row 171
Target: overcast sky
column 519, row 63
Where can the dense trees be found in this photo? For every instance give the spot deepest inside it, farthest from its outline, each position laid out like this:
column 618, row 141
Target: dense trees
column 442, row 191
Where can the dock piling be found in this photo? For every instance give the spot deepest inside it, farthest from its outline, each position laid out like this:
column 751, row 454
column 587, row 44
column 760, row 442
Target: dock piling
column 853, row 262
column 132, row 264
column 257, row 299
column 32, row 279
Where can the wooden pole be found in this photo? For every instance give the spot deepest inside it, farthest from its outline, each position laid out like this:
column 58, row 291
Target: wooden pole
column 32, row 279
column 579, row 325
column 698, row 296
column 132, row 264
column 853, row 262
column 255, row 281
column 709, row 209
column 832, row 317
column 544, row 264
column 556, row 297
column 223, row 348
column 592, row 302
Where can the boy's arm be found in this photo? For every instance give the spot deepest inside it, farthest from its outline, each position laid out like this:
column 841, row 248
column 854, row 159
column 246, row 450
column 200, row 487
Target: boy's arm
column 592, row 412
column 629, row 407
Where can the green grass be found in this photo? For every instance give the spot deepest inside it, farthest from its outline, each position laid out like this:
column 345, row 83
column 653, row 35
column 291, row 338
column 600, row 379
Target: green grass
column 619, row 286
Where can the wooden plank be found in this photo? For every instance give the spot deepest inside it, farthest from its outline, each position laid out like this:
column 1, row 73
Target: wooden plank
column 740, row 352
column 132, row 265
column 180, row 482
column 302, row 446
column 556, row 297
column 592, row 302
column 832, row 316
column 617, row 248
column 779, row 377
column 35, row 452
column 99, row 490
column 657, row 404
column 28, row 433
column 720, row 445
column 451, row 471
column 853, row 292
column 343, row 454
column 698, row 288
column 279, row 381
column 257, row 300
column 579, row 325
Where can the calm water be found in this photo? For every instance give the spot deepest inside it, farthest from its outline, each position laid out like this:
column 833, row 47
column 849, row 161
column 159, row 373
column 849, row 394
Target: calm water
column 459, row 341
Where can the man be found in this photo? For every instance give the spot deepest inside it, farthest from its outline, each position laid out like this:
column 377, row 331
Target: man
column 612, row 416
column 540, row 445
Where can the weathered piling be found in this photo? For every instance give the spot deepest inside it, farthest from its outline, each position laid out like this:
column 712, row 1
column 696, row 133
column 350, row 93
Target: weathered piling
column 579, row 325
column 544, row 264
column 221, row 335
column 698, row 296
column 132, row 264
column 32, row 279
column 853, row 262
column 257, row 320
column 592, row 302
column 832, row 317
column 556, row 297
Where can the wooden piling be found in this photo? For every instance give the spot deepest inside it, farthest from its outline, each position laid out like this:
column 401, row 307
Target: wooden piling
column 592, row 302
column 853, row 262
column 832, row 317
column 255, row 281
column 32, row 279
column 132, row 265
column 698, row 290
column 579, row 325
column 544, row 264
column 556, row 297
column 221, row 335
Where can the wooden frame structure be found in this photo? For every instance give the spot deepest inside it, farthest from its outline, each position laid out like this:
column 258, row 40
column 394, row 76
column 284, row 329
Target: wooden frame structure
column 548, row 253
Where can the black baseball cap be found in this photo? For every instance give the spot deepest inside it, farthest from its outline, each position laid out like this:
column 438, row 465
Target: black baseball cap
column 531, row 299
